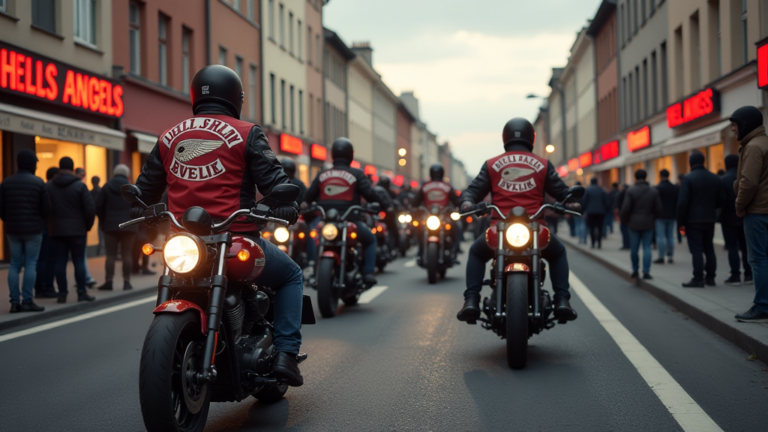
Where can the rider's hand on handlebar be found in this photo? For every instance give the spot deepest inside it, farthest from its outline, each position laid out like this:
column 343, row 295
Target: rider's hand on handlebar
column 136, row 212
column 573, row 206
column 288, row 213
column 466, row 206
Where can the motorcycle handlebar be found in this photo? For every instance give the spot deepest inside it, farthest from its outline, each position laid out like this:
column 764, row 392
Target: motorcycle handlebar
column 216, row 227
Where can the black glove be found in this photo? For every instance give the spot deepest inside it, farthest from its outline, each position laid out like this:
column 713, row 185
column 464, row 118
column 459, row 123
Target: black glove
column 136, row 212
column 466, row 206
column 287, row 213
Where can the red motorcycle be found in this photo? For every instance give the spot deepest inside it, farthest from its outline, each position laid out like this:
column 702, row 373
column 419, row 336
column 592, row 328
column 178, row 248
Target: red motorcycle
column 211, row 338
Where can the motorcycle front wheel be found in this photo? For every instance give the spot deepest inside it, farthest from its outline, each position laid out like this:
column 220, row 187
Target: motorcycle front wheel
column 517, row 320
column 327, row 296
column 432, row 255
column 171, row 398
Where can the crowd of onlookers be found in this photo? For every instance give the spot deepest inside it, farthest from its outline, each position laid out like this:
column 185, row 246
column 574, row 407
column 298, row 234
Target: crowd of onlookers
column 47, row 224
column 736, row 197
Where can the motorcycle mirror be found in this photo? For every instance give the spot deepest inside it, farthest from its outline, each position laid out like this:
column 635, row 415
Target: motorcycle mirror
column 285, row 193
column 576, row 191
column 131, row 193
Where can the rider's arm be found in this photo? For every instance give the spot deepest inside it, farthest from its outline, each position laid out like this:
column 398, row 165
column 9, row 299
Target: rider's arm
column 152, row 180
column 264, row 168
column 314, row 191
column 479, row 188
column 554, row 186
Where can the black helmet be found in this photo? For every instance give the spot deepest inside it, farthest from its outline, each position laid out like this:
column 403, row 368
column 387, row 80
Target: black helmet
column 384, row 182
column 342, row 150
column 436, row 172
column 217, row 84
column 289, row 166
column 519, row 130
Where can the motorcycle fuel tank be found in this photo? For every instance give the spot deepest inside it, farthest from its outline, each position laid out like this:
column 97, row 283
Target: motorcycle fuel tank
column 248, row 265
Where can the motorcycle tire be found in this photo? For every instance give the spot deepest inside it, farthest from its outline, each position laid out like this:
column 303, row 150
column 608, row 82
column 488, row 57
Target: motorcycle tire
column 432, row 255
column 327, row 296
column 271, row 394
column 442, row 273
column 517, row 320
column 351, row 300
column 405, row 243
column 163, row 405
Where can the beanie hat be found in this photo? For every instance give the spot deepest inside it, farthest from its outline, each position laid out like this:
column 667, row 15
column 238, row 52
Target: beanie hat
column 123, row 170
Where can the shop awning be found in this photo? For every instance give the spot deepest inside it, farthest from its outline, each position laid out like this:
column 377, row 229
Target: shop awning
column 703, row 137
column 146, row 142
column 31, row 122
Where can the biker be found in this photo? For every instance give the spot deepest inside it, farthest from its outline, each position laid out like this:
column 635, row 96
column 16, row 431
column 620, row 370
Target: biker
column 340, row 188
column 215, row 160
column 438, row 193
column 289, row 166
column 390, row 220
column 516, row 178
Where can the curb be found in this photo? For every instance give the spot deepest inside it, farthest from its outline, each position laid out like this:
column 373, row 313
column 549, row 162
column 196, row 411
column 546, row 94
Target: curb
column 730, row 333
column 76, row 307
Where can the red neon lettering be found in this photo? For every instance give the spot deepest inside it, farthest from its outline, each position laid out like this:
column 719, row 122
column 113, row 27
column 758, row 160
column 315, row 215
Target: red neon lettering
column 7, row 68
column 762, row 66
column 50, row 77
column 81, row 91
column 93, row 93
column 639, row 139
column 690, row 109
column 31, row 89
column 19, row 71
column 103, row 96
column 69, row 88
column 39, row 79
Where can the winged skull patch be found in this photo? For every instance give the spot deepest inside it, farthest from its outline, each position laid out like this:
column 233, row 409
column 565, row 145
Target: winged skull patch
column 514, row 173
column 189, row 149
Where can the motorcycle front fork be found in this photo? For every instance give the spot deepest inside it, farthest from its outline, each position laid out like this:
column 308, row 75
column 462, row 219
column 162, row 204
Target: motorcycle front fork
column 218, row 289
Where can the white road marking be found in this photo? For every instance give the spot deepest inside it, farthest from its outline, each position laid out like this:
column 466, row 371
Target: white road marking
column 371, row 294
column 75, row 319
column 688, row 414
column 410, row 263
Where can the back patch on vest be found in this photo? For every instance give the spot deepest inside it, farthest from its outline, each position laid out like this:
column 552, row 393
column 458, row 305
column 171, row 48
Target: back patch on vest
column 337, row 185
column 203, row 136
column 516, row 172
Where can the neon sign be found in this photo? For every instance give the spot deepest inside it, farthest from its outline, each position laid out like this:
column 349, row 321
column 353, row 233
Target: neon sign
column 573, row 164
column 562, row 170
column 762, row 65
column 639, row 139
column 31, row 75
column 318, row 152
column 694, row 107
column 609, row 150
column 585, row 159
column 290, row 144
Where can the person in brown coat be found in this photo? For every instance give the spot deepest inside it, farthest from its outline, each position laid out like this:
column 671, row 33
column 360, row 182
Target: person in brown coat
column 751, row 189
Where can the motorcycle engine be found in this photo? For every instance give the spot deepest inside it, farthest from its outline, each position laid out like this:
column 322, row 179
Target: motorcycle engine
column 256, row 308
column 235, row 314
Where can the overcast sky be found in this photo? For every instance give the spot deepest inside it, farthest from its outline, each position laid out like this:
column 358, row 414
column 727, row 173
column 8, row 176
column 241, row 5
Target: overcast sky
column 470, row 63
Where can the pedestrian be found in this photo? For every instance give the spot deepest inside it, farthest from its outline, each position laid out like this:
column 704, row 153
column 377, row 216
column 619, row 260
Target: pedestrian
column 89, row 281
column 617, row 214
column 751, row 189
column 95, row 189
column 733, row 226
column 665, row 225
column 112, row 210
column 641, row 207
column 24, row 208
column 609, row 217
column 680, row 178
column 594, row 205
column 72, row 216
column 701, row 194
column 581, row 226
column 46, row 265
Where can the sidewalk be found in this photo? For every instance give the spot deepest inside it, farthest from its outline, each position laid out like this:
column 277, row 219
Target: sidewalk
column 712, row 307
column 142, row 286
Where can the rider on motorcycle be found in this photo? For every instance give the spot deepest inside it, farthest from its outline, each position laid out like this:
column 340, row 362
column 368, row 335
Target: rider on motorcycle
column 340, row 188
column 289, row 166
column 215, row 160
column 438, row 193
column 516, row 178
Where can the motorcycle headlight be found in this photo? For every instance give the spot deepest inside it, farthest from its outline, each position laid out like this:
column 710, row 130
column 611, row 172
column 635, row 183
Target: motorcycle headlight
column 433, row 222
column 401, row 219
column 518, row 235
column 282, row 234
column 455, row 216
column 408, row 218
column 182, row 253
column 330, row 232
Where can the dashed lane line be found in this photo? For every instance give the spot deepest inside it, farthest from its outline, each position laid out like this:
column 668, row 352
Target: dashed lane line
column 410, row 263
column 688, row 414
column 371, row 294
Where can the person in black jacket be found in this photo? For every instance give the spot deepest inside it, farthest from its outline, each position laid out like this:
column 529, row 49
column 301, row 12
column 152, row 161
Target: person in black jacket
column 24, row 207
column 594, row 207
column 95, row 190
column 733, row 226
column 665, row 225
column 72, row 217
column 46, row 263
column 289, row 166
column 612, row 195
column 701, row 194
column 113, row 210
column 639, row 209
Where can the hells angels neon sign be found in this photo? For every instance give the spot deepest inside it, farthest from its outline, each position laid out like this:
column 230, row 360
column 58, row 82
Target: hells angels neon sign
column 28, row 74
column 693, row 107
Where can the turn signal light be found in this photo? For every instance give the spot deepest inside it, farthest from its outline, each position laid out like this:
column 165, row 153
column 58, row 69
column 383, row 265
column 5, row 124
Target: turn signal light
column 147, row 249
column 379, row 228
column 447, row 227
column 243, row 255
column 382, row 214
column 353, row 235
column 266, row 235
column 373, row 230
column 302, row 235
column 415, row 223
column 469, row 219
column 313, row 233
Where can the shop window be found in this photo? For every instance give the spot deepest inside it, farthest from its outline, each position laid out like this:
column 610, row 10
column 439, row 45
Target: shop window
column 134, row 36
column 715, row 158
column 44, row 14
column 304, row 173
column 136, row 165
column 95, row 165
column 85, row 21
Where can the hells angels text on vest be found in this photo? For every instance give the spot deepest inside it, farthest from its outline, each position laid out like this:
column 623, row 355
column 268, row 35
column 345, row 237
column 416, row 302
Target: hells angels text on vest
column 517, row 179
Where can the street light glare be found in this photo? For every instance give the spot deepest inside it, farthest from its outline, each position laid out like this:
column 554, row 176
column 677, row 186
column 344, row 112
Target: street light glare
column 402, row 162
column 402, row 152
column 550, row 148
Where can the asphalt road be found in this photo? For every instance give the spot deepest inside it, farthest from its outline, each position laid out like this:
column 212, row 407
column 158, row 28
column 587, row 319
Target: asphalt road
column 403, row 362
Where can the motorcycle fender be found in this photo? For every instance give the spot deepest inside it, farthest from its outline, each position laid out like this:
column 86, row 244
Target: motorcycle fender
column 181, row 306
column 433, row 239
column 332, row 254
column 517, row 268
column 307, row 313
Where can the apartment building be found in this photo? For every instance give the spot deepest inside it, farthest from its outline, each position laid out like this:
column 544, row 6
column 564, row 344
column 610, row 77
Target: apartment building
column 315, row 57
column 336, row 65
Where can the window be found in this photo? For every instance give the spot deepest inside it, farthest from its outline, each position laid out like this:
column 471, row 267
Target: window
column 282, row 103
column 252, row 91
column 311, row 106
column 282, row 25
column 744, row 36
column 293, row 112
column 309, row 45
column 715, row 5
column 239, row 67
column 3, row 6
column 134, row 34
column 623, row 26
column 186, row 64
column 236, row 5
column 298, row 40
column 222, row 56
column 678, row 59
column 645, row 88
column 249, row 10
column 271, row 18
column 635, row 16
column 317, row 51
column 643, row 10
column 290, row 32
column 631, row 101
column 695, row 51
column 162, row 35
column 624, row 112
column 653, row 7
column 664, row 75
column 44, row 14
column 638, row 113
column 301, row 112
column 654, row 83
column 85, row 21
column 272, row 98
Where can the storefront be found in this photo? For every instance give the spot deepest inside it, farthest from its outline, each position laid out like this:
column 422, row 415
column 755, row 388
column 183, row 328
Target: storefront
column 57, row 110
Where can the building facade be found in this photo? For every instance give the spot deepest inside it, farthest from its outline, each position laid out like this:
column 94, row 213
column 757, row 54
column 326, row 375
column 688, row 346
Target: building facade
column 361, row 81
column 384, row 127
column 336, row 65
column 405, row 125
column 315, row 43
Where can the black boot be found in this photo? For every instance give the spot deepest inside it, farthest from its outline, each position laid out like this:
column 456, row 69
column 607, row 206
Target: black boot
column 15, row 308
column 369, row 280
column 127, row 286
column 31, row 307
column 286, row 367
column 85, row 297
column 471, row 310
column 106, row 287
column 563, row 309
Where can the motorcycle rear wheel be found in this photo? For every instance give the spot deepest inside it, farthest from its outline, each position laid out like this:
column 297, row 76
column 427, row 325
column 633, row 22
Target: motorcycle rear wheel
column 517, row 320
column 432, row 255
column 161, row 371
column 327, row 295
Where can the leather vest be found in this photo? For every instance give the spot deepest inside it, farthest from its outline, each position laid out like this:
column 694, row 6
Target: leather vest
column 436, row 193
column 517, row 179
column 337, row 185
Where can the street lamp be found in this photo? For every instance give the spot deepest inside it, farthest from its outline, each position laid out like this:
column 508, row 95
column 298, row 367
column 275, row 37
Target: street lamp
column 550, row 148
column 402, row 162
column 402, row 152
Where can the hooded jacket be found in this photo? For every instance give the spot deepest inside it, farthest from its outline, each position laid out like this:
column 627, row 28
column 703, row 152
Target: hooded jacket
column 111, row 208
column 73, row 211
column 24, row 203
column 641, row 206
column 751, row 185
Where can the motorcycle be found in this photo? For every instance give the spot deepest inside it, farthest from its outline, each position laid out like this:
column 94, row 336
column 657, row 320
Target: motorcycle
column 437, row 254
column 404, row 232
column 339, row 266
column 384, row 252
column 211, row 337
column 292, row 240
column 519, row 307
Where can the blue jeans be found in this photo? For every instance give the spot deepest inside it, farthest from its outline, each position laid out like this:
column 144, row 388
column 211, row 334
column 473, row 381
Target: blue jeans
column 608, row 223
column 756, row 230
column 665, row 237
column 62, row 247
column 24, row 252
column 635, row 238
column 285, row 277
column 581, row 230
